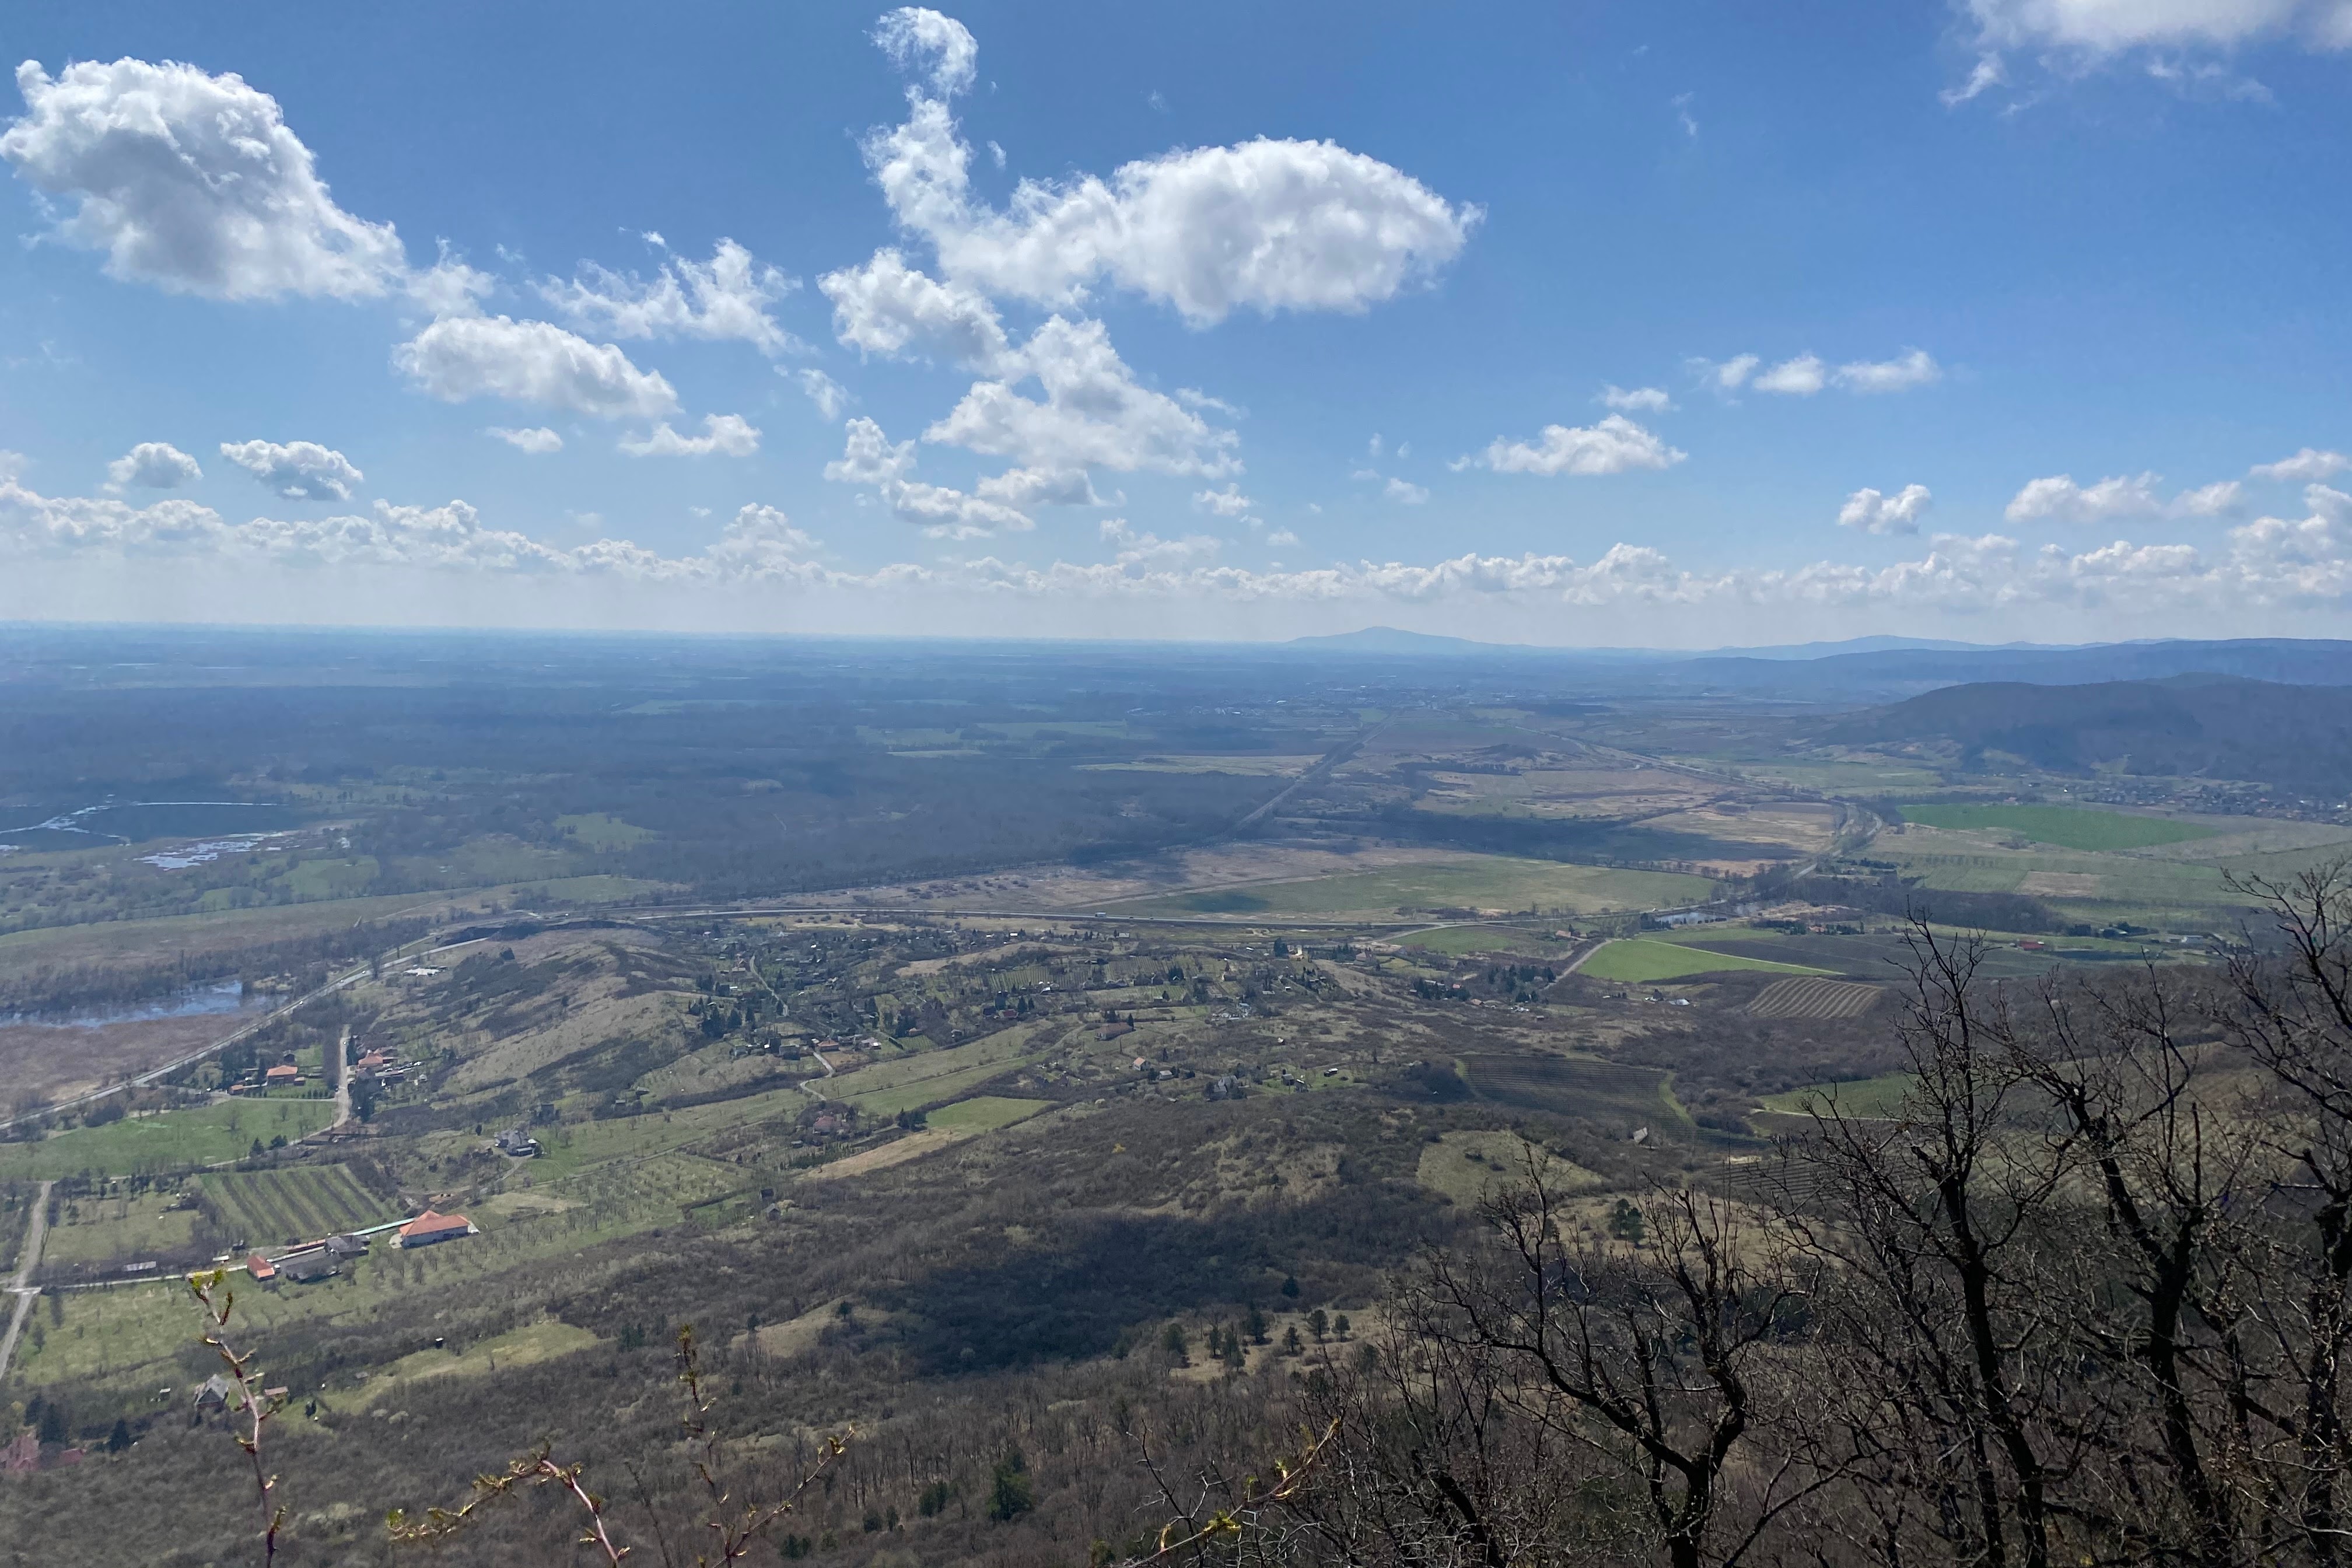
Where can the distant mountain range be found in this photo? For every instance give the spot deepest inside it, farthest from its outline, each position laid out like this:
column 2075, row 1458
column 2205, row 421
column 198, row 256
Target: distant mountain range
column 1870, row 669
column 2297, row 738
column 1390, row 640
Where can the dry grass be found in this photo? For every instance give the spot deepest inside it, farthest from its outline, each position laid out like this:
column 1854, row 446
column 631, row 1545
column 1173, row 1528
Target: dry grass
column 1467, row 1166
column 913, row 1146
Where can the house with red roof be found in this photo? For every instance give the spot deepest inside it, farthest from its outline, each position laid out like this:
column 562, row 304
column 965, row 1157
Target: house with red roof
column 261, row 1268
column 429, row 1228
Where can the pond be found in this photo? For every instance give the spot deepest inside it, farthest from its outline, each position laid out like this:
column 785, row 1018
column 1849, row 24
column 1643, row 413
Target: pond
column 223, row 997
column 139, row 821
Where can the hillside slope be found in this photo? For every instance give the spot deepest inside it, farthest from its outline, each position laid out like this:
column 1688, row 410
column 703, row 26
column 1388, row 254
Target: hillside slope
column 2292, row 737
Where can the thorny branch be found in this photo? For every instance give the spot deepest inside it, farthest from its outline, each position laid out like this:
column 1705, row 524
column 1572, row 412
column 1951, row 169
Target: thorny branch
column 213, row 1294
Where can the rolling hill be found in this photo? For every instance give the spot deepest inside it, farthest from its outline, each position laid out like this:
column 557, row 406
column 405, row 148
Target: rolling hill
column 2296, row 738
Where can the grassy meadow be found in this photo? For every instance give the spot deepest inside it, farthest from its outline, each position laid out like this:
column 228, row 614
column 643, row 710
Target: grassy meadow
column 1641, row 960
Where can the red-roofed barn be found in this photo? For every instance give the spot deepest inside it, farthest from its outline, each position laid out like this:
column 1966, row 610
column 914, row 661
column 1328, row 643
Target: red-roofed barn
column 429, row 1228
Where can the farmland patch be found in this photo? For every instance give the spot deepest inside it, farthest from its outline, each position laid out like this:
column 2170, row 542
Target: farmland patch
column 1813, row 998
column 1641, row 960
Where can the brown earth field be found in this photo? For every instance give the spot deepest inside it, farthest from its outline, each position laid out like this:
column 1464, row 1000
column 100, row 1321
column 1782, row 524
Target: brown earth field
column 40, row 1063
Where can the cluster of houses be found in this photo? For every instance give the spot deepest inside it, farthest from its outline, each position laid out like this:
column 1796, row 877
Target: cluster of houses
column 383, row 1063
column 283, row 1074
column 315, row 1260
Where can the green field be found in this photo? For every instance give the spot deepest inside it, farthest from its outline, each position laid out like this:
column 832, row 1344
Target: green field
column 1473, row 882
column 1463, row 941
column 1865, row 1096
column 577, row 1147
column 134, row 1337
column 170, row 1141
column 272, row 1207
column 602, row 831
column 1639, row 960
column 925, row 1090
column 2068, row 827
column 886, row 1088
column 107, row 1230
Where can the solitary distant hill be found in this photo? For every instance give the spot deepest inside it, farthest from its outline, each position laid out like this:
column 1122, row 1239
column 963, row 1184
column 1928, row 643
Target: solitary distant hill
column 1389, row 640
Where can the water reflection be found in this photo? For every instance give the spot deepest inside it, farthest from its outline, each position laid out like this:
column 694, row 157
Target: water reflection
column 226, row 997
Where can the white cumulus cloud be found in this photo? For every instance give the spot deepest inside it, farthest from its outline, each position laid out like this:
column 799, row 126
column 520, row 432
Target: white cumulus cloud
column 1804, row 374
column 870, row 461
column 1022, row 488
column 192, row 183
column 1093, row 412
column 463, row 357
column 1226, row 502
column 1916, row 367
column 939, row 48
column 1404, row 492
column 1729, row 376
column 1149, row 550
column 759, row 545
column 2308, row 466
column 829, row 395
column 726, row 435
column 886, row 307
column 1265, row 224
column 2058, row 498
column 152, row 466
column 299, row 470
column 1799, row 378
column 1613, row 446
column 1871, row 511
column 724, row 297
column 1636, row 400
column 538, row 440
column 2098, row 27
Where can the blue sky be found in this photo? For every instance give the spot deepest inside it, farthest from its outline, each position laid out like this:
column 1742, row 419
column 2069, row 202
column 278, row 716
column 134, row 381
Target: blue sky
column 1307, row 318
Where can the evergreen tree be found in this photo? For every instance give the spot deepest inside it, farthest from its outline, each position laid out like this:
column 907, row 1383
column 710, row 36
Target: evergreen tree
column 1010, row 1493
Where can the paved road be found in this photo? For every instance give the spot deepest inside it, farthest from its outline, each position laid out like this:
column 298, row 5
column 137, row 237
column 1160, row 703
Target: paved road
column 1313, row 775
column 343, row 1080
column 810, row 1084
column 37, row 1231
